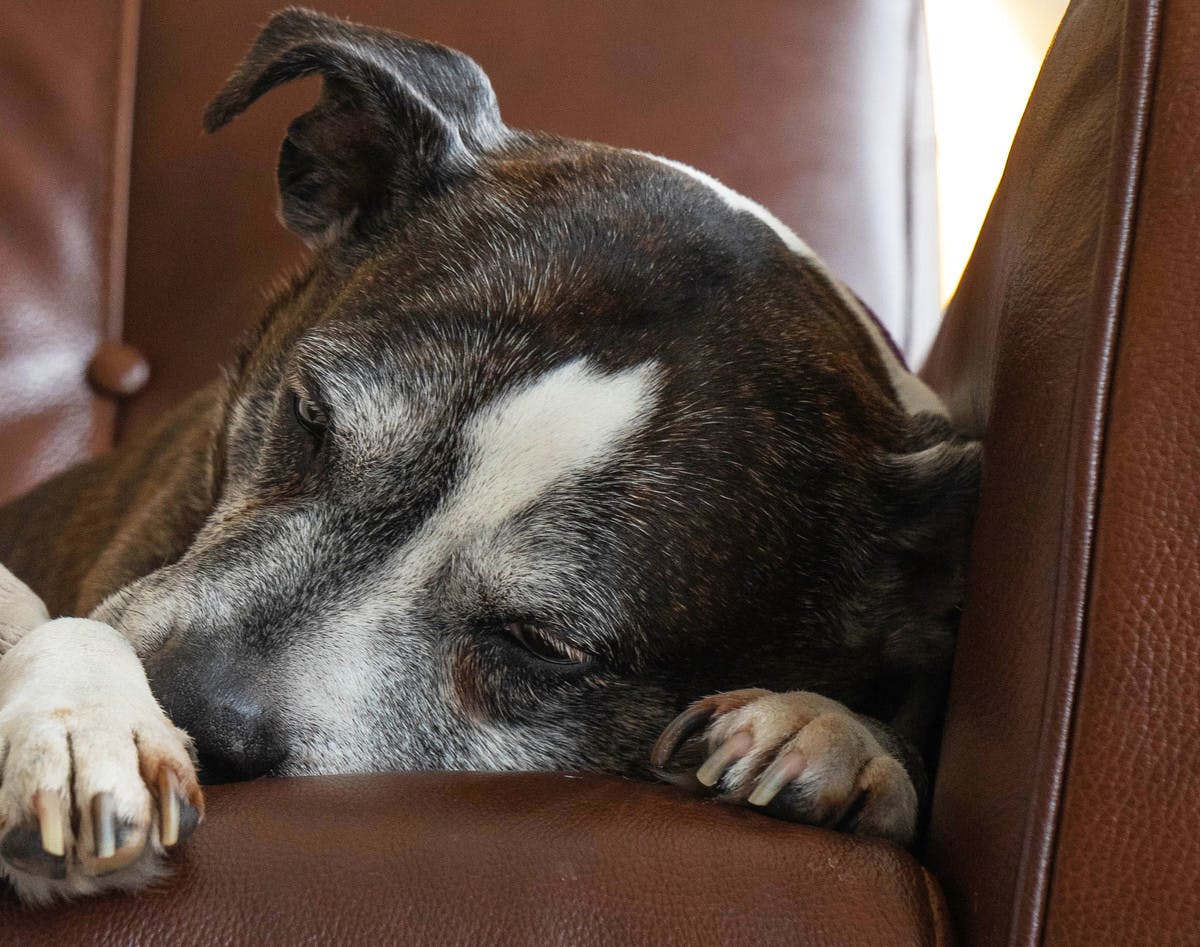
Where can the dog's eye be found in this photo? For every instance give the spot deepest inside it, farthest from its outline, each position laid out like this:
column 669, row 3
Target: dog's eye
column 312, row 417
column 545, row 645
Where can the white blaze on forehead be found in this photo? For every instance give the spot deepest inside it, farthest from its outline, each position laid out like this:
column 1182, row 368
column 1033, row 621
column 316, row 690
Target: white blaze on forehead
column 913, row 393
column 568, row 420
column 550, row 429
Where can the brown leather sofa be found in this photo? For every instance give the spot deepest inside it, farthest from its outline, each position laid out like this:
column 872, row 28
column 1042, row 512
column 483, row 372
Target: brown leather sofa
column 1069, row 783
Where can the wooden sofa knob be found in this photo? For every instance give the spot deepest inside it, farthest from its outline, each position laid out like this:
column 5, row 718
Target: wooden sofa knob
column 119, row 370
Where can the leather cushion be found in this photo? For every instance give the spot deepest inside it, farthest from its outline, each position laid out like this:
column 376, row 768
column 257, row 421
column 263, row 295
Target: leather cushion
column 464, row 858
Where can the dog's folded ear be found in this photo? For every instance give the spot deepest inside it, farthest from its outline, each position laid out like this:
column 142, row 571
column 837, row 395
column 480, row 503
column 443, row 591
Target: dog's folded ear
column 929, row 496
column 398, row 118
column 932, row 492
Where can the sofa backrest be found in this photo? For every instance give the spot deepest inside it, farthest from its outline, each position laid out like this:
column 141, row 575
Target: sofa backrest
column 819, row 111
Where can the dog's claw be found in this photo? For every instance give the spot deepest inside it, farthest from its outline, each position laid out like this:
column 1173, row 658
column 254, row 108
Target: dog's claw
column 104, row 825
column 733, row 749
column 687, row 724
column 49, row 808
column 129, row 844
column 781, row 772
column 168, row 802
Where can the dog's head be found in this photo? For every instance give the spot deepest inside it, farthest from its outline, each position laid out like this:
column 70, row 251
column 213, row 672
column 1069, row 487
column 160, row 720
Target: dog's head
column 550, row 439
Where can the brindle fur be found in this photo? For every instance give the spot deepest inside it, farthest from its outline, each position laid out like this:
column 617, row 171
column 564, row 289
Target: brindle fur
column 765, row 530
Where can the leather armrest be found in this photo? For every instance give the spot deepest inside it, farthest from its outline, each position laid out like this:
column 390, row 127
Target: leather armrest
column 535, row 858
column 1070, row 760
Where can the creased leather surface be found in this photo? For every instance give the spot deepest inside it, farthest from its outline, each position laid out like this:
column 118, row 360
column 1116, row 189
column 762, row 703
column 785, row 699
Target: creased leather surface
column 505, row 859
column 65, row 86
column 814, row 109
column 1026, row 356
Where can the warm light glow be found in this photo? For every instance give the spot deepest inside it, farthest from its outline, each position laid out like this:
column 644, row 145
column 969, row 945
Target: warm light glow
column 984, row 57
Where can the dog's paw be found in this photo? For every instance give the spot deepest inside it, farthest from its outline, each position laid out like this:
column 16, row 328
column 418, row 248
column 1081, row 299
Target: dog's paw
column 797, row 755
column 96, row 784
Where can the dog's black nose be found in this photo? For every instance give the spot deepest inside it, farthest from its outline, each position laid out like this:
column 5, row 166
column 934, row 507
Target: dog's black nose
column 237, row 737
column 236, row 740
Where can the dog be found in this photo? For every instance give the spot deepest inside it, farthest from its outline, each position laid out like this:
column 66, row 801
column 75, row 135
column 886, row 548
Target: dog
column 554, row 456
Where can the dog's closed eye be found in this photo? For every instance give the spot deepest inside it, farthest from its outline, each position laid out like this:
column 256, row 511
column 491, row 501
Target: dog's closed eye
column 310, row 414
column 545, row 645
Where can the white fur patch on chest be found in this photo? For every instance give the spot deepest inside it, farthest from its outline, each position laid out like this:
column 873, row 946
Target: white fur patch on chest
column 558, row 426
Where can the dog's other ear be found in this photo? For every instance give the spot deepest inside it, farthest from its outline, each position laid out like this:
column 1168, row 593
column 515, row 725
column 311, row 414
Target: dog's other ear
column 933, row 492
column 930, row 496
column 398, row 118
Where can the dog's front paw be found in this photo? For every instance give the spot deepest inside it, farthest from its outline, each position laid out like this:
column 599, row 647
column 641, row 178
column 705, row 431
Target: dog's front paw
column 797, row 755
column 96, row 783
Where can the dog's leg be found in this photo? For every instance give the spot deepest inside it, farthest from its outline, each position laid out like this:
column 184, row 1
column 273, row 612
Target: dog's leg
column 20, row 610
column 799, row 756
column 95, row 782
